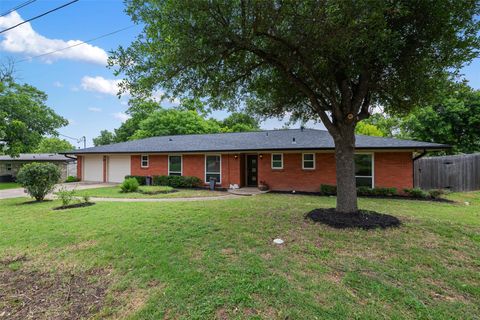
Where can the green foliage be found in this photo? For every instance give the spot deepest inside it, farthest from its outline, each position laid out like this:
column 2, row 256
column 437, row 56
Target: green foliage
column 53, row 145
column 86, row 198
column 173, row 122
column 177, row 181
column 240, row 122
column 71, row 179
column 38, row 179
column 105, row 137
column 328, row 190
column 378, row 191
column 416, row 193
column 24, row 117
column 368, row 129
column 142, row 180
column 66, row 196
column 129, row 185
column 436, row 193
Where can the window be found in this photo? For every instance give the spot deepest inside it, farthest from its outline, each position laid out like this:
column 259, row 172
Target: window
column 174, row 165
column 144, row 161
column 8, row 166
column 364, row 170
column 277, row 161
column 212, row 168
column 308, row 161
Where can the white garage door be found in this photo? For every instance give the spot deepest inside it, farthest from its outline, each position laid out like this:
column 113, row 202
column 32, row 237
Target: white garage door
column 118, row 168
column 93, row 168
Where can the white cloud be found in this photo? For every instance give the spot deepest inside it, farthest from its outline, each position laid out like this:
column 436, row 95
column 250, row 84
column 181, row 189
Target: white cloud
column 122, row 116
column 58, row 84
column 23, row 39
column 94, row 109
column 100, row 84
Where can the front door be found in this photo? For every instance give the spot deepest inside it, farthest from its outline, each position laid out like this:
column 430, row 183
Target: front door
column 252, row 168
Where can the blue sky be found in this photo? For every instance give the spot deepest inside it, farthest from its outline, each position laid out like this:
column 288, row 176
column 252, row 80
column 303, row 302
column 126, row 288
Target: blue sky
column 79, row 86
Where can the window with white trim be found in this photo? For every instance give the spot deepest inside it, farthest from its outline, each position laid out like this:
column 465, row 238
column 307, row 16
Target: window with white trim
column 174, row 165
column 144, row 160
column 308, row 161
column 277, row 160
column 8, row 166
column 213, row 168
column 364, row 170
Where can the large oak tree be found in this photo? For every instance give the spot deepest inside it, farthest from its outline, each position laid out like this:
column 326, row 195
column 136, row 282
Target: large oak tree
column 323, row 60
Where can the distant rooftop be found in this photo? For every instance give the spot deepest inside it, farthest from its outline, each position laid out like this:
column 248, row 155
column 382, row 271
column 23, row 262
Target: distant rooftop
column 288, row 139
column 37, row 157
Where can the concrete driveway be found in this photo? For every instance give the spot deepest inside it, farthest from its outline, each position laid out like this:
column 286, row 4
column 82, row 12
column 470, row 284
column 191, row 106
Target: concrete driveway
column 18, row 192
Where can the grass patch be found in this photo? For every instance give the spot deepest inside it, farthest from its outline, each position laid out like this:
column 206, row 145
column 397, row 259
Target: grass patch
column 9, row 185
column 201, row 260
column 146, row 192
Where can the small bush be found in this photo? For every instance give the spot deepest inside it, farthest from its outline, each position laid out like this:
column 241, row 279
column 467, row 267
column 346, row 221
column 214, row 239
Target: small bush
column 38, row 179
column 142, row 180
column 72, row 179
column 328, row 190
column 86, row 198
column 364, row 191
column 385, row 192
column 416, row 193
column 66, row 196
column 177, row 181
column 129, row 185
column 436, row 193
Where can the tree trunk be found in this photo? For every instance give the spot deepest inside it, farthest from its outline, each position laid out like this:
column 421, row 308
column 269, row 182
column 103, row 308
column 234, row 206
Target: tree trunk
column 345, row 170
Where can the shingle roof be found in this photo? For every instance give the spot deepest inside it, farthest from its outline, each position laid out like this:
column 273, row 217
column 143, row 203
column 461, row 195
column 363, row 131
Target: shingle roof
column 37, row 157
column 290, row 139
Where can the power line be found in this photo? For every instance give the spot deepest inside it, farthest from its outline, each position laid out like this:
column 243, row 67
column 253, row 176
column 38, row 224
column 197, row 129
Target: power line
column 18, row 7
column 84, row 139
column 39, row 16
column 77, row 44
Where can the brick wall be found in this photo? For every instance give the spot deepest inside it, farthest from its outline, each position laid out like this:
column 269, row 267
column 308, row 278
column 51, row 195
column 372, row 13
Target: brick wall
column 394, row 169
column 391, row 169
column 157, row 166
column 293, row 177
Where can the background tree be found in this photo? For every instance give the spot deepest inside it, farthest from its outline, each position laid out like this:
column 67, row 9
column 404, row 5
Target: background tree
column 105, row 137
column 368, row 129
column 320, row 60
column 53, row 145
column 24, row 117
column 239, row 122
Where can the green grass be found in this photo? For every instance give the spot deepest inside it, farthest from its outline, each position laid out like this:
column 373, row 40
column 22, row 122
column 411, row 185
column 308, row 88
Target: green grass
column 115, row 192
column 9, row 185
column 201, row 260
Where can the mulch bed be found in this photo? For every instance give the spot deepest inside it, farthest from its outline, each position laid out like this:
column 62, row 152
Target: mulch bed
column 34, row 201
column 363, row 219
column 29, row 294
column 75, row 205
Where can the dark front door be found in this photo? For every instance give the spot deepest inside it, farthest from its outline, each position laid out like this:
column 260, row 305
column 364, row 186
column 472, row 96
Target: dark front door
column 252, row 168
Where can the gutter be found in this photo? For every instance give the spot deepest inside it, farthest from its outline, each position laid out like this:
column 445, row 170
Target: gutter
column 69, row 157
column 421, row 155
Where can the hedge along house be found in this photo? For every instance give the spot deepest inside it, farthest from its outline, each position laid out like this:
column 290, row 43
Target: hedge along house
column 285, row 160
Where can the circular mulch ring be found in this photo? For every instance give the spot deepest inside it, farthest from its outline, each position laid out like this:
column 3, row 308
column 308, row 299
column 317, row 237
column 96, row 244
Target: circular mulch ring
column 363, row 219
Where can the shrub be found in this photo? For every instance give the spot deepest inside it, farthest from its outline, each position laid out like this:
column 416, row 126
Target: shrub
column 328, row 190
column 129, row 185
column 385, row 192
column 177, row 181
column 66, row 196
column 38, row 179
column 142, row 180
column 86, row 198
column 436, row 193
column 364, row 191
column 72, row 179
column 416, row 193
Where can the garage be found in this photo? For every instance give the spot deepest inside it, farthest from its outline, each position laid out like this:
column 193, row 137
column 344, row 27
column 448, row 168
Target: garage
column 118, row 168
column 93, row 168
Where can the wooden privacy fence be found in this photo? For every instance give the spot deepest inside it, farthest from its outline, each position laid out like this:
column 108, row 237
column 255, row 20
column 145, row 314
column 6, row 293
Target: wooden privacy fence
column 456, row 173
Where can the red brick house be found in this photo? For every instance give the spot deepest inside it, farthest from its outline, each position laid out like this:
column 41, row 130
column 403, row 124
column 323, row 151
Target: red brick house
column 299, row 159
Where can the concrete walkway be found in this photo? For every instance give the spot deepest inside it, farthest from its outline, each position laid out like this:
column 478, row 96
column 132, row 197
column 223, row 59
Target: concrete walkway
column 225, row 197
column 19, row 192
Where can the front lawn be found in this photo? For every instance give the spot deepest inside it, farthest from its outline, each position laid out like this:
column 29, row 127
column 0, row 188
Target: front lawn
column 9, row 185
column 216, row 259
column 115, row 192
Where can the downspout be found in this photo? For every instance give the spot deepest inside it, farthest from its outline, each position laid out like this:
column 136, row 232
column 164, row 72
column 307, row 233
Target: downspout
column 69, row 157
column 421, row 155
